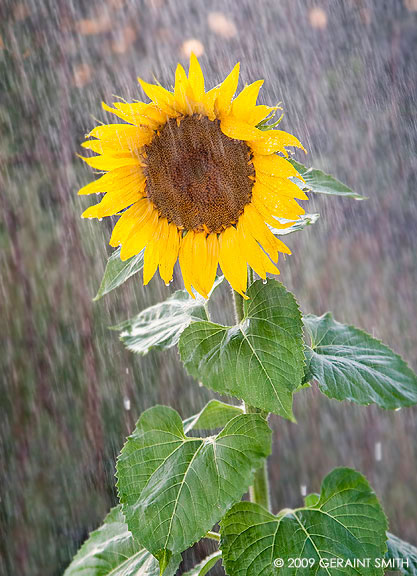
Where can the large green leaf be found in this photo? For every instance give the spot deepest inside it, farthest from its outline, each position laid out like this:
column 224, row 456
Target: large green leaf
column 351, row 365
column 261, row 360
column 174, row 488
column 111, row 551
column 215, row 414
column 401, row 556
column 118, row 271
column 161, row 325
column 346, row 522
column 322, row 183
column 205, row 566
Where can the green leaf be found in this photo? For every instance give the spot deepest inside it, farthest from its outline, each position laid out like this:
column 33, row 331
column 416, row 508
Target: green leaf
column 174, row 488
column 401, row 556
column 160, row 326
column 311, row 500
column 111, row 551
column 118, row 271
column 205, row 566
column 261, row 360
column 215, row 414
column 322, row 183
column 302, row 222
column 346, row 523
column 351, row 365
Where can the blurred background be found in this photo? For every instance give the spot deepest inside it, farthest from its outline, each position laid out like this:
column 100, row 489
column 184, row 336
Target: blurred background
column 70, row 393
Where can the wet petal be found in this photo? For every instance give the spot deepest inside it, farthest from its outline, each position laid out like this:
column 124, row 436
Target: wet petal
column 196, row 78
column 106, row 163
column 246, row 101
column 115, row 201
column 169, row 253
column 226, row 92
column 231, row 261
column 164, row 99
column 113, row 180
column 253, row 253
column 140, row 235
column 275, row 141
column 234, row 128
column 129, row 219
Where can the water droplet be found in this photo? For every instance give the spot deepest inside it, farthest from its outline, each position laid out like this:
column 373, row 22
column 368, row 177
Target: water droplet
column 264, row 281
column 378, row 451
column 126, row 403
column 100, row 219
column 303, row 490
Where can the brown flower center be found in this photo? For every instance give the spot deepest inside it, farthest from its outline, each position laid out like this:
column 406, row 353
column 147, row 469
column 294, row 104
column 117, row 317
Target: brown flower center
column 197, row 177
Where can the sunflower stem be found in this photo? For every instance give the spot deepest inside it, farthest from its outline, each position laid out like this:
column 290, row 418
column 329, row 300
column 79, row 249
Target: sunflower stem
column 213, row 536
column 239, row 310
column 259, row 491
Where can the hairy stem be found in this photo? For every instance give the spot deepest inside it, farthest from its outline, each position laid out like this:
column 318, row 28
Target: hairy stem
column 259, row 491
column 239, row 310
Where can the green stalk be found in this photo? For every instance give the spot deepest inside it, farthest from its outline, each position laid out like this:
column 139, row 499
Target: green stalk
column 213, row 536
column 259, row 491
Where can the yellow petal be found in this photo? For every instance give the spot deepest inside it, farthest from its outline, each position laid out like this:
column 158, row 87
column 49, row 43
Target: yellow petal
column 153, row 250
column 271, row 210
column 115, row 201
column 134, row 114
column 275, row 204
column 169, row 253
column 199, row 263
column 107, row 163
column 143, row 114
column 123, row 135
column 150, row 262
column 186, row 260
column 164, row 99
column 231, row 261
column 246, row 100
column 226, row 92
column 255, row 225
column 275, row 166
column 140, row 234
column 275, row 141
column 181, row 91
column 128, row 219
column 213, row 249
column 113, row 180
column 234, row 128
column 253, row 253
column 204, row 262
column 196, row 78
column 113, row 148
column 259, row 113
column 208, row 101
column 282, row 186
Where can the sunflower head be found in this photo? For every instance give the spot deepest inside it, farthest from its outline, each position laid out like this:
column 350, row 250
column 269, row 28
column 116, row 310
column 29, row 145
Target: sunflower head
column 191, row 177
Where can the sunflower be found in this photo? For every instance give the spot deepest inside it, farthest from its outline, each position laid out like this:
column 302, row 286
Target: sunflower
column 192, row 178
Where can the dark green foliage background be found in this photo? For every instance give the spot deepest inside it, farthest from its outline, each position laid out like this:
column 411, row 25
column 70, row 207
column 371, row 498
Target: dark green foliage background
column 349, row 94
